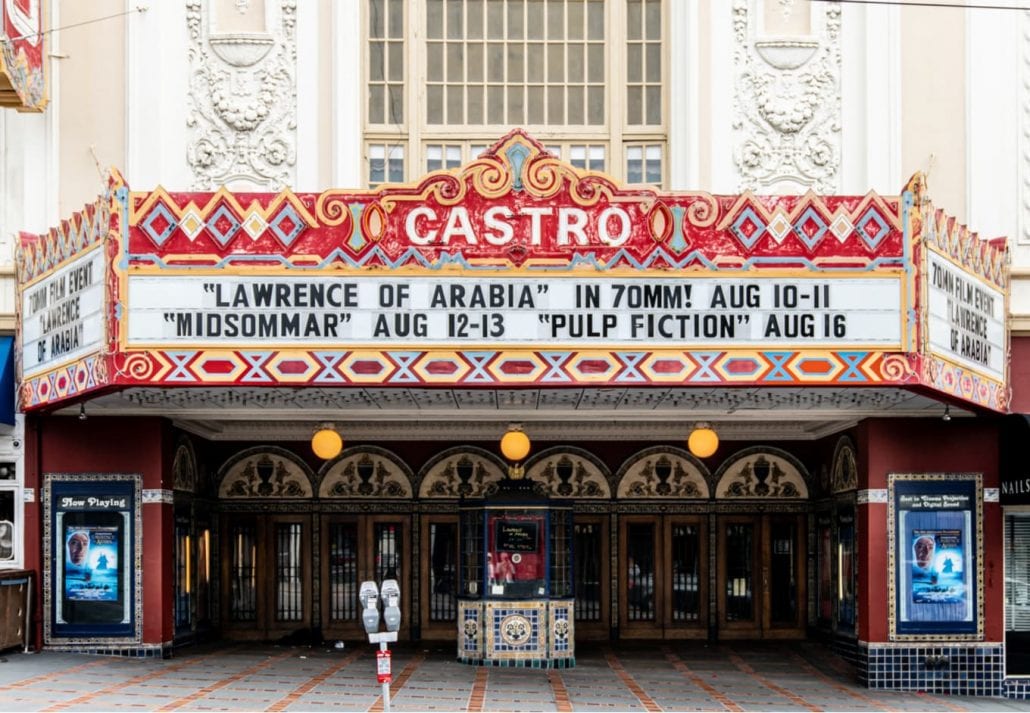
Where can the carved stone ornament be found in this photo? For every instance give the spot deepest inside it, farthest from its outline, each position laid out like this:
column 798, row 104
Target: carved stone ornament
column 662, row 473
column 242, row 98
column 787, row 102
column 265, row 474
column 367, row 472
column 569, row 473
column 845, row 469
column 184, row 468
column 761, row 475
column 460, row 473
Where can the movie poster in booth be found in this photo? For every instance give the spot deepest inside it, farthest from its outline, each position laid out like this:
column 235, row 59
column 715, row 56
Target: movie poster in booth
column 91, row 564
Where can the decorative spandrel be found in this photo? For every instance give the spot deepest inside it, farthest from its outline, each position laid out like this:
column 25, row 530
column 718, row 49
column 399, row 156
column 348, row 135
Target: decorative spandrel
column 265, row 474
column 570, row 473
column 367, row 472
column 460, row 474
column 844, row 476
column 184, row 468
column 759, row 473
column 663, row 472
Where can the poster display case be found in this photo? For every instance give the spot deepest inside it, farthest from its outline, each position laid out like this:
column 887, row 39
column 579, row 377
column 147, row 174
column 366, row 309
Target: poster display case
column 92, row 567
column 936, row 556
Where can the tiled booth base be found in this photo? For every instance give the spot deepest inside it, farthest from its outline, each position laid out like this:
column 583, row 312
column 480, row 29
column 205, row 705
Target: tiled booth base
column 959, row 669
column 529, row 633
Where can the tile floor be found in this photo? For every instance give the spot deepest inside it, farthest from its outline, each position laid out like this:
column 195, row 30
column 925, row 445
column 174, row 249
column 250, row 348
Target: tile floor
column 800, row 676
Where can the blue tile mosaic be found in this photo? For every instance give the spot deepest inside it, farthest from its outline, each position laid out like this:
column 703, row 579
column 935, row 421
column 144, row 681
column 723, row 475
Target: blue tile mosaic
column 969, row 670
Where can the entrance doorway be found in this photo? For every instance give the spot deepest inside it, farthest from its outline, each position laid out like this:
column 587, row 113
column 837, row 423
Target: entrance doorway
column 356, row 548
column 663, row 576
column 266, row 575
column 761, row 578
column 439, row 580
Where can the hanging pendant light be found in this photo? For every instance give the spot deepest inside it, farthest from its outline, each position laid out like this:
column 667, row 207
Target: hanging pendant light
column 703, row 440
column 326, row 443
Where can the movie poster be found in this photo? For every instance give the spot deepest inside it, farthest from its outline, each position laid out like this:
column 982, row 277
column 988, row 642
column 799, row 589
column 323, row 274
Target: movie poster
column 91, row 563
column 936, row 555
column 938, row 567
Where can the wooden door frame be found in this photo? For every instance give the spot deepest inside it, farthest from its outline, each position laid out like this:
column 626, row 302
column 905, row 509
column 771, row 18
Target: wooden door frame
column 429, row 629
column 673, row 630
column 641, row 630
column 761, row 549
column 598, row 630
column 265, row 626
column 274, row 628
column 735, row 629
column 365, row 525
column 798, row 629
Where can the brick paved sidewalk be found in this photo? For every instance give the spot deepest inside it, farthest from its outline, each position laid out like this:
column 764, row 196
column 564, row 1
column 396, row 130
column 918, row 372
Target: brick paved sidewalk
column 660, row 677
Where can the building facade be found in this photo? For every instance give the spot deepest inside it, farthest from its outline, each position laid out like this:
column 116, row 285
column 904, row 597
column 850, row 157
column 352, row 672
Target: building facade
column 606, row 221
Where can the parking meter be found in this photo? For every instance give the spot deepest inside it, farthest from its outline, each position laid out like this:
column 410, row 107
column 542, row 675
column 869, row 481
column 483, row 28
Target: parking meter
column 391, row 604
column 368, row 595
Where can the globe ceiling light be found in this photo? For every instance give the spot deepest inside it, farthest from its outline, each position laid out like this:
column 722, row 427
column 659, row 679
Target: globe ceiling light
column 703, row 441
column 326, row 443
column 515, row 447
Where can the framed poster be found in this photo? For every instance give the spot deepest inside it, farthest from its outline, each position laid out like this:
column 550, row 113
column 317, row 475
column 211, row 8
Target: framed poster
column 92, row 558
column 936, row 557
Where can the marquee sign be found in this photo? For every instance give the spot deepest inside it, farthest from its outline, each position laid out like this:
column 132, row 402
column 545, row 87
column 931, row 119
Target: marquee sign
column 515, row 269
column 22, row 55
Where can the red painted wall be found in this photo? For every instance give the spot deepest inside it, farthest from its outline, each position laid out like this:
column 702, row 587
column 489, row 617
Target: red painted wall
column 1019, row 374
column 962, row 445
column 110, row 445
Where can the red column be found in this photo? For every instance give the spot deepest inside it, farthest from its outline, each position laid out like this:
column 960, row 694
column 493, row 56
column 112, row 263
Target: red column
column 962, row 445
column 113, row 445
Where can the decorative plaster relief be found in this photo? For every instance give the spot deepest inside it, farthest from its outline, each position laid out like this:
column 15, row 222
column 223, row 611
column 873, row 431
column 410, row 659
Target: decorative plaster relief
column 570, row 473
column 787, row 103
column 461, row 473
column 662, row 472
column 845, row 467
column 265, row 473
column 761, row 473
column 242, row 98
column 366, row 472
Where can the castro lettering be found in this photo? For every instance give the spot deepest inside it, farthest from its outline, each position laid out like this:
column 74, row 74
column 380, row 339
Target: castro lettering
column 499, row 225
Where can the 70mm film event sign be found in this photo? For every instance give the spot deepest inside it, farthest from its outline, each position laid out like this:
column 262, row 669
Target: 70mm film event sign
column 516, row 269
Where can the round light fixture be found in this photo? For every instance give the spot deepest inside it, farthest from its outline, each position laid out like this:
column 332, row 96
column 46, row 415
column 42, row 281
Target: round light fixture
column 326, row 443
column 515, row 445
column 703, row 441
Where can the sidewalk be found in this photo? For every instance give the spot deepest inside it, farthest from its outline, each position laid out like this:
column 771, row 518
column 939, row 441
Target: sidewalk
column 799, row 676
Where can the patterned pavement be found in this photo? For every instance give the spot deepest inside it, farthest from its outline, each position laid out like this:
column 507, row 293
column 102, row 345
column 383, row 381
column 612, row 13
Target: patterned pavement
column 801, row 676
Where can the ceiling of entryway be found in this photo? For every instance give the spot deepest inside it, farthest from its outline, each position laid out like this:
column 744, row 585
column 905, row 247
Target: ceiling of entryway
column 600, row 413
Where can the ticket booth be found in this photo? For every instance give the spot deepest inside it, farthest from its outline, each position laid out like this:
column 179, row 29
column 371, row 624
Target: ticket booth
column 517, row 605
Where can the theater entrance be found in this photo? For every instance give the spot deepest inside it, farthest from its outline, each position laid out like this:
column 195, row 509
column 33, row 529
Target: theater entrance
column 761, row 591
column 266, row 575
column 358, row 548
column 663, row 576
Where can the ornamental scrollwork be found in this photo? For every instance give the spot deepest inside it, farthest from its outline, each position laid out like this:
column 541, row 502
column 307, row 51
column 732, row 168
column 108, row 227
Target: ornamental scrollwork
column 242, row 115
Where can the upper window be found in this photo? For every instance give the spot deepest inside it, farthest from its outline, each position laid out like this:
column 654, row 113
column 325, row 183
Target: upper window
column 586, row 77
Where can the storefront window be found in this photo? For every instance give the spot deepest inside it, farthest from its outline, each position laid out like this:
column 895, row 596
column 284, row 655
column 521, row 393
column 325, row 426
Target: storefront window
column 1017, row 594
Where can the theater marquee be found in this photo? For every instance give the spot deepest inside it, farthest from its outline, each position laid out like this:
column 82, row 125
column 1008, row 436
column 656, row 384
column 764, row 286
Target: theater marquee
column 517, row 269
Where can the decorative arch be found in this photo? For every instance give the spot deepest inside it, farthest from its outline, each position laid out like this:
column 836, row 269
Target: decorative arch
column 762, row 472
column 460, row 472
column 366, row 472
column 265, row 472
column 567, row 472
column 184, row 467
column 844, row 476
column 663, row 472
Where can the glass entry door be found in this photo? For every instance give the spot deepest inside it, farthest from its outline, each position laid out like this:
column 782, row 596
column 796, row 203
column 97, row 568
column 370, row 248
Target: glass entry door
column 439, row 580
column 266, row 576
column 356, row 548
column 591, row 576
column 761, row 576
column 663, row 576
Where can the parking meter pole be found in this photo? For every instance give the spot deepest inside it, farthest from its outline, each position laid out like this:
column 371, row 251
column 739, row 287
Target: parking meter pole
column 386, row 684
